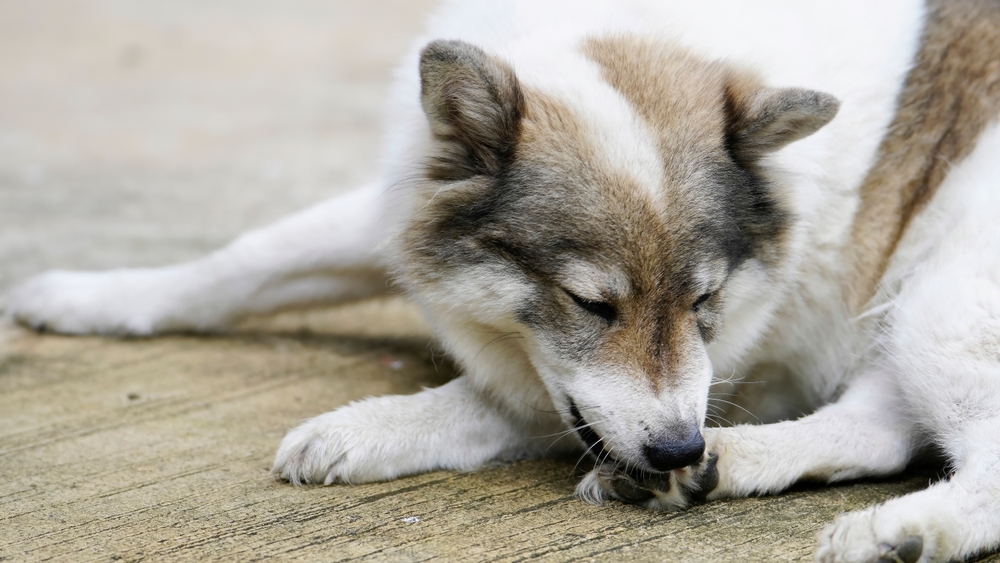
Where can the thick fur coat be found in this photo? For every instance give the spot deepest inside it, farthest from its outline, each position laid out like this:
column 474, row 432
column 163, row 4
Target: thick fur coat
column 611, row 211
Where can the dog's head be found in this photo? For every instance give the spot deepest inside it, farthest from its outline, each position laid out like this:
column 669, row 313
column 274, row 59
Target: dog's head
column 615, row 228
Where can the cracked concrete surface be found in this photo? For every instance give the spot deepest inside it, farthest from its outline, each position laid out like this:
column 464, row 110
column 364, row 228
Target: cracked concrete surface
column 145, row 133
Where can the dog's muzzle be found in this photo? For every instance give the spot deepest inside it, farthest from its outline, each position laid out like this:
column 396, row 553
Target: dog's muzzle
column 663, row 455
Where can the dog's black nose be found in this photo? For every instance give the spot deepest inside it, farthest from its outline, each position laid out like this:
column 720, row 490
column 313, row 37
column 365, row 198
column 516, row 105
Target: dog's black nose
column 666, row 454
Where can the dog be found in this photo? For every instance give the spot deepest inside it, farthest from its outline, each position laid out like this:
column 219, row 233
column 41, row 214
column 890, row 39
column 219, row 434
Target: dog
column 605, row 207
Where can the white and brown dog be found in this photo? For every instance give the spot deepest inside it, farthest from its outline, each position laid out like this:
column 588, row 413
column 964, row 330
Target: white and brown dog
column 600, row 204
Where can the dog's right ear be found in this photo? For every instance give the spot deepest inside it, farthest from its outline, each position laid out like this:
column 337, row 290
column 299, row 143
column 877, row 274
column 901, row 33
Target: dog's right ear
column 763, row 120
column 474, row 104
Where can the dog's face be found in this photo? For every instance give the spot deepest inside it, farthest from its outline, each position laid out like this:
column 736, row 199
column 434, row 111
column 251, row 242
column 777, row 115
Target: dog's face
column 613, row 244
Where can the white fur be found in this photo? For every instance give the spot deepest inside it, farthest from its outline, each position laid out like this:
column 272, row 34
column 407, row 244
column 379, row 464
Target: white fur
column 322, row 254
column 923, row 366
column 449, row 427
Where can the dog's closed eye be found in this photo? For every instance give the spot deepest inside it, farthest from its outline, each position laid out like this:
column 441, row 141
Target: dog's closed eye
column 604, row 310
column 701, row 300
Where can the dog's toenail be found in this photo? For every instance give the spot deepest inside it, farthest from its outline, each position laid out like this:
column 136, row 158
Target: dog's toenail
column 910, row 549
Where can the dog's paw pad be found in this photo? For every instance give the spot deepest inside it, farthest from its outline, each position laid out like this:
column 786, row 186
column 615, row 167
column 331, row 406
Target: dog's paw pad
column 703, row 479
column 908, row 551
column 673, row 490
column 629, row 490
column 874, row 536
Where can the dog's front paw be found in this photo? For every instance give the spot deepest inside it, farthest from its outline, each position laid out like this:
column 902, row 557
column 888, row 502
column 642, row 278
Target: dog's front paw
column 343, row 446
column 674, row 490
column 82, row 303
column 856, row 537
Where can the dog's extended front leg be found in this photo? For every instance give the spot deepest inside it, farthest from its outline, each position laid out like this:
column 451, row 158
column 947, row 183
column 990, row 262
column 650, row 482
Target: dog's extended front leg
column 864, row 433
column 323, row 254
column 454, row 426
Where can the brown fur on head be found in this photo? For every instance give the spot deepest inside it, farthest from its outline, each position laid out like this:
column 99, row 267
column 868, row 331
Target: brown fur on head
column 608, row 270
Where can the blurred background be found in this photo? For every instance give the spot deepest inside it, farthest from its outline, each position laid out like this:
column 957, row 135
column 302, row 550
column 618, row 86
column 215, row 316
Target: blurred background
column 143, row 133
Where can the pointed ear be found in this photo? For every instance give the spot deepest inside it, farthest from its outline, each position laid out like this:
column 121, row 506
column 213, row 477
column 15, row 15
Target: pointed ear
column 474, row 104
column 763, row 120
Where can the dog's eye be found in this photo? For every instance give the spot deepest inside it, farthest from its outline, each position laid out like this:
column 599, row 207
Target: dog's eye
column 701, row 301
column 604, row 310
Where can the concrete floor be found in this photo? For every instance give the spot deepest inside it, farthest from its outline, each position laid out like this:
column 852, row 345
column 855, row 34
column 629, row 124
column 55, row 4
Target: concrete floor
column 145, row 133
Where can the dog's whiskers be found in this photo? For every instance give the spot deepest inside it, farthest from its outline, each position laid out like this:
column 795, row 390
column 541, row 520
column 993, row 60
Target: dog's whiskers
column 735, row 405
column 564, row 433
column 719, row 420
column 503, row 337
column 557, row 411
column 585, row 454
column 570, row 430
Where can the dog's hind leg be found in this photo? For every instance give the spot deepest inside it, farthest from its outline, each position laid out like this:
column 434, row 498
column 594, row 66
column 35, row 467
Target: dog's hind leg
column 950, row 520
column 324, row 254
column 946, row 348
column 942, row 340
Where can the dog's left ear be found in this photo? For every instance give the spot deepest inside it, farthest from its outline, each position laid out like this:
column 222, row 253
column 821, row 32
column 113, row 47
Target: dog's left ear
column 763, row 120
column 474, row 103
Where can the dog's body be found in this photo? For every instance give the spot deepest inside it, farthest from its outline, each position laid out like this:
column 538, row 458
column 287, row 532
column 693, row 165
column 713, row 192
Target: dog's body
column 597, row 214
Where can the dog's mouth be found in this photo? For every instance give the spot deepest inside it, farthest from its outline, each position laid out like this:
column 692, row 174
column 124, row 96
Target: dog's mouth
column 597, row 448
column 631, row 483
column 586, row 433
